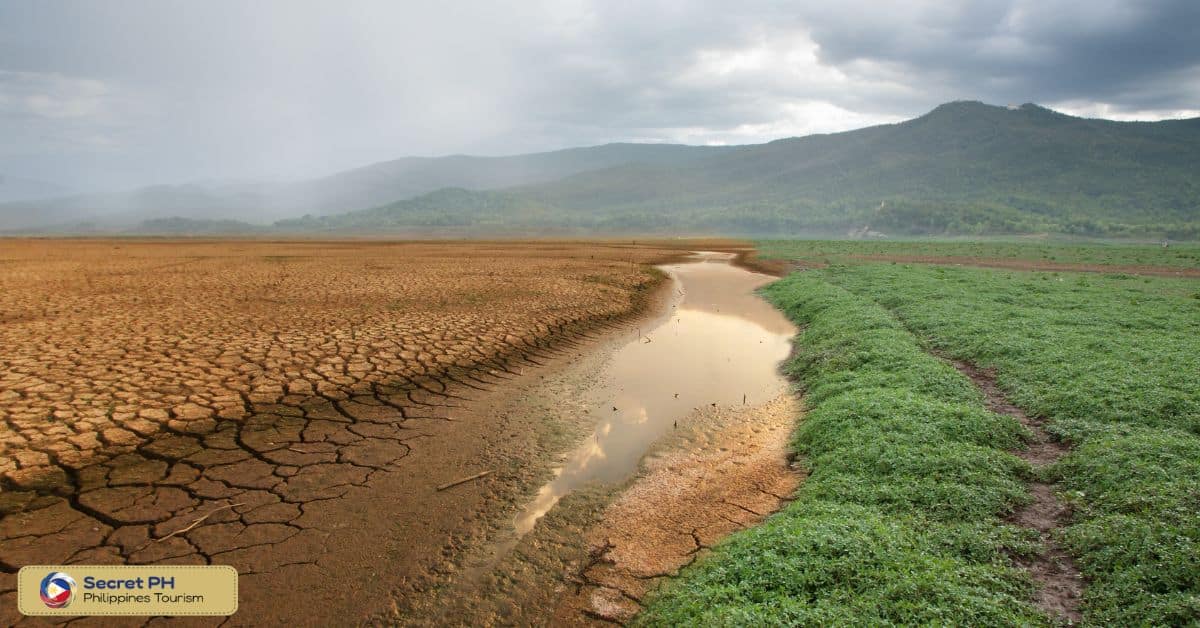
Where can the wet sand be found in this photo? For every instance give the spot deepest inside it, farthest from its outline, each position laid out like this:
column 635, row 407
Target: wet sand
column 718, row 347
column 682, row 427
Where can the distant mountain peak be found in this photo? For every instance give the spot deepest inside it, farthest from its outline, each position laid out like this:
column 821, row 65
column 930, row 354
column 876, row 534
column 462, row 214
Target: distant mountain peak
column 963, row 105
column 958, row 111
column 974, row 106
column 966, row 112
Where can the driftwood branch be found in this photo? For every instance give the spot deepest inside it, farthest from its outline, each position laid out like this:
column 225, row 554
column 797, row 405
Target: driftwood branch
column 198, row 521
column 464, row 480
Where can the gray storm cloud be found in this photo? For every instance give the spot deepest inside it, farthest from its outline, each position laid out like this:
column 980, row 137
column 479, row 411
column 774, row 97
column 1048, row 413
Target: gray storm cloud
column 122, row 93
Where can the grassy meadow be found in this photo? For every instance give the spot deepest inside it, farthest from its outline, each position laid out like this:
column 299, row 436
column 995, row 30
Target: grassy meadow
column 901, row 519
column 1176, row 256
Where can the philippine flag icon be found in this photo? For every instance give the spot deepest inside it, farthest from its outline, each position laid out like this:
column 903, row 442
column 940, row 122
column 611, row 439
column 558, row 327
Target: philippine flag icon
column 57, row 589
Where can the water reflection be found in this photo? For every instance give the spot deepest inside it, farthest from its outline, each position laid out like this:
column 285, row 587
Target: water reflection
column 720, row 346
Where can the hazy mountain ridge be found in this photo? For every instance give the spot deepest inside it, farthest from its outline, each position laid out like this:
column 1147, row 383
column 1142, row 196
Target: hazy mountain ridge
column 965, row 167
column 370, row 185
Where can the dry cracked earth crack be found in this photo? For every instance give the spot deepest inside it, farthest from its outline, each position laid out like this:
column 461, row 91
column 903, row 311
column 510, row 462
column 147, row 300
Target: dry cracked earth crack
column 733, row 474
column 219, row 403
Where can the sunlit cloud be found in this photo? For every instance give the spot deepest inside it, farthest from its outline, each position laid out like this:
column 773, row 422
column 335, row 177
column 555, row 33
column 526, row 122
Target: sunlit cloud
column 1109, row 111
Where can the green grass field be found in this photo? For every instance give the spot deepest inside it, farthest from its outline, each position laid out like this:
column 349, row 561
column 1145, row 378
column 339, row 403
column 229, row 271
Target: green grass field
column 900, row 520
column 1179, row 255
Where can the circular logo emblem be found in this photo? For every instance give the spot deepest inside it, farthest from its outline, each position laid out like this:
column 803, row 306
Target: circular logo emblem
column 57, row 589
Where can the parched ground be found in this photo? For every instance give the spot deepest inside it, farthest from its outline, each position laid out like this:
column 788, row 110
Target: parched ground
column 732, row 474
column 285, row 407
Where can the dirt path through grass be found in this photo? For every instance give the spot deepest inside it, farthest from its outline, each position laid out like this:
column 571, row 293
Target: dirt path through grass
column 1060, row 584
column 1109, row 362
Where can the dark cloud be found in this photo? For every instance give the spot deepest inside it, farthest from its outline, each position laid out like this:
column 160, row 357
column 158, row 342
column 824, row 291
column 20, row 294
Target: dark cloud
column 1129, row 54
column 127, row 92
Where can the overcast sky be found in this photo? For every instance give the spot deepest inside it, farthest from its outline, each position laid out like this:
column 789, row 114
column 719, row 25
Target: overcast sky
column 119, row 93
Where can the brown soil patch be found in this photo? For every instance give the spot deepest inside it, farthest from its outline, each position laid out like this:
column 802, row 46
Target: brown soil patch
column 1060, row 583
column 1032, row 265
column 300, row 400
column 686, row 500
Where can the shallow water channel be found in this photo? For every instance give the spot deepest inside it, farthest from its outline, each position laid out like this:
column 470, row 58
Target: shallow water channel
column 720, row 345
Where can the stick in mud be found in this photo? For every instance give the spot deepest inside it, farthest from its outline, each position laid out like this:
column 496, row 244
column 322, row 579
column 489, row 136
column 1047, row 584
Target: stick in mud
column 194, row 523
column 464, row 480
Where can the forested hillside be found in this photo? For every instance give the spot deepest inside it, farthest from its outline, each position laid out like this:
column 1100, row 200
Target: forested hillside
column 964, row 168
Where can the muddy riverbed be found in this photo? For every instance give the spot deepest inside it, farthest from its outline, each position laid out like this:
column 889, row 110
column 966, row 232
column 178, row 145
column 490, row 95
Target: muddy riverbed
column 719, row 346
column 681, row 425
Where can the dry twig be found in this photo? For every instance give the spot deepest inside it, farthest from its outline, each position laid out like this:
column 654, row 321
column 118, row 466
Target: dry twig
column 198, row 521
column 464, row 480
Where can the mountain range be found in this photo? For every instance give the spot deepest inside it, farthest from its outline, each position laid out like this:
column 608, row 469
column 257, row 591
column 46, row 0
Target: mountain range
column 384, row 182
column 964, row 167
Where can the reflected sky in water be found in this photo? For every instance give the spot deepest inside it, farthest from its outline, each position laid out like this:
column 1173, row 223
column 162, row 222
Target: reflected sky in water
column 721, row 344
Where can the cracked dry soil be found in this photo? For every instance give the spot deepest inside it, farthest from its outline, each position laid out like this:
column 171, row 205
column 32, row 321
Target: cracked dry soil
column 288, row 408
column 730, row 475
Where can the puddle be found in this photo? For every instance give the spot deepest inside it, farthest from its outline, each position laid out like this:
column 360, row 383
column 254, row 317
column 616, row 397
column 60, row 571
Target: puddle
column 720, row 346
